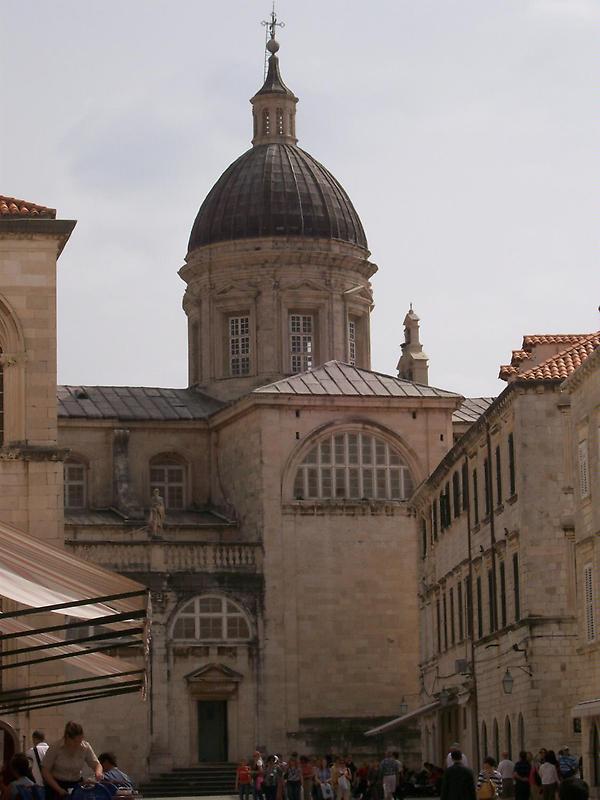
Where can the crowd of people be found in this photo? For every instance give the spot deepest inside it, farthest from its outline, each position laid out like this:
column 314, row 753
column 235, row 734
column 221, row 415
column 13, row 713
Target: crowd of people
column 53, row 772
column 545, row 776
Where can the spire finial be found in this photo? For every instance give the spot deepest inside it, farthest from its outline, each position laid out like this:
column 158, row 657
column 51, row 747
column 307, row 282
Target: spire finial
column 272, row 24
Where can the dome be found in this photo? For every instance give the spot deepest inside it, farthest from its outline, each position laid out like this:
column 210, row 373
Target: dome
column 276, row 189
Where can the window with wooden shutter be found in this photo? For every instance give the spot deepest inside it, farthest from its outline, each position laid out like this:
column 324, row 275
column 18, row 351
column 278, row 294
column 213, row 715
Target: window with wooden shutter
column 584, row 473
column 588, row 603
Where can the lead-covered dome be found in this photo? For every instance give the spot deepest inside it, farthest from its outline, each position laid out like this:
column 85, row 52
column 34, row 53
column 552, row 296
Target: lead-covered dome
column 276, row 189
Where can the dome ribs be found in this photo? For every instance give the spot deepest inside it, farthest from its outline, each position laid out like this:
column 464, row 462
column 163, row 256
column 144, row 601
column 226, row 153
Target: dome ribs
column 276, row 189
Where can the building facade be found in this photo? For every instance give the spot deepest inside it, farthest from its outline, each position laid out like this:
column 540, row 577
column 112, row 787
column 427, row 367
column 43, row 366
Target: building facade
column 498, row 588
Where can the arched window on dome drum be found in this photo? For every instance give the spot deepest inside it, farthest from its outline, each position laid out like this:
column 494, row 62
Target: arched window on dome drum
column 211, row 618
column 355, row 466
column 280, row 121
column 292, row 125
column 266, row 122
column 1, row 402
column 167, row 474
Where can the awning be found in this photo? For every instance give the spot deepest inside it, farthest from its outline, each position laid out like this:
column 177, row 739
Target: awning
column 106, row 611
column 587, row 708
column 396, row 723
column 40, row 576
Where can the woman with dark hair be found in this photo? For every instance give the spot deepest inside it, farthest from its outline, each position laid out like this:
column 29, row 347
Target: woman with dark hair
column 65, row 760
column 21, row 769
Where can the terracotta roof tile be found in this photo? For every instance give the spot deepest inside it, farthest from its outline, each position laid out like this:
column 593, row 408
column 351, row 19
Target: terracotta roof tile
column 563, row 364
column 519, row 355
column 11, row 207
column 553, row 338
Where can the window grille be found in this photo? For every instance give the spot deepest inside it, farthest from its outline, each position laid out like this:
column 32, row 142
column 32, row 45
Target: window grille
column 74, row 485
column 169, row 478
column 511, row 464
column 588, row 599
column 353, row 466
column 351, row 342
column 584, row 478
column 239, row 346
column 211, row 618
column 301, row 342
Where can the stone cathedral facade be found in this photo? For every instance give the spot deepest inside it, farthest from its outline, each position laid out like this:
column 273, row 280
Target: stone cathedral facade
column 283, row 577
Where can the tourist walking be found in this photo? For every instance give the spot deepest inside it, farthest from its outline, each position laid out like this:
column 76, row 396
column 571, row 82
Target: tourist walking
column 36, row 755
column 293, row 779
column 489, row 781
column 243, row 780
column 390, row 771
column 521, row 777
column 323, row 780
column 272, row 773
column 65, row 760
column 506, row 768
column 456, row 749
column 548, row 772
column 567, row 764
column 458, row 782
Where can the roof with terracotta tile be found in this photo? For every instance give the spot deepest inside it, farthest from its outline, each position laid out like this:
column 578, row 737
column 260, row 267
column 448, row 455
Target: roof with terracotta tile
column 553, row 338
column 563, row 364
column 12, row 207
column 337, row 378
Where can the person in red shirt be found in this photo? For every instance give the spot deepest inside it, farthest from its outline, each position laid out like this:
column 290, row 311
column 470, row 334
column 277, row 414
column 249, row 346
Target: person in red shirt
column 243, row 780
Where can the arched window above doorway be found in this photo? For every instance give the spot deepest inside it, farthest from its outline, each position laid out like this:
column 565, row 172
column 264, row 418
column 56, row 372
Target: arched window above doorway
column 353, row 465
column 168, row 475
column 211, row 618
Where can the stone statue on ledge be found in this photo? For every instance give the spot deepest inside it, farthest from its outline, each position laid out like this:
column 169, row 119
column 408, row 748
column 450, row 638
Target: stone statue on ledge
column 156, row 519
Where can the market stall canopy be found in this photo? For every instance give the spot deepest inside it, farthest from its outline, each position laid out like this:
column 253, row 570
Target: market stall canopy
column 104, row 610
column 399, row 721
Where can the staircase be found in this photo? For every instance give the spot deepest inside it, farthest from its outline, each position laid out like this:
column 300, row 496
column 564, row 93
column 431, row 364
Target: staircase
column 202, row 781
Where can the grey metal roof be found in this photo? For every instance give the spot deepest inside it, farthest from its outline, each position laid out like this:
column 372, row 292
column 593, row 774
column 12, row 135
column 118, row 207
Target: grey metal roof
column 134, row 403
column 337, row 378
column 471, row 409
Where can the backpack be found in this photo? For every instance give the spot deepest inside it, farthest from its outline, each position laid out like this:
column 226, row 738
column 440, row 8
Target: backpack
column 31, row 792
column 486, row 791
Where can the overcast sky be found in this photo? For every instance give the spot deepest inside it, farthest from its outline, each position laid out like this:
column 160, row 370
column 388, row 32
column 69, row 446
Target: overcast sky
column 465, row 132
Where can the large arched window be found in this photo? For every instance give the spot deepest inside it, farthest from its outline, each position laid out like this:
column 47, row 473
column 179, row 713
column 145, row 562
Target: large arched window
column 353, row 465
column 211, row 618
column 75, row 484
column 167, row 474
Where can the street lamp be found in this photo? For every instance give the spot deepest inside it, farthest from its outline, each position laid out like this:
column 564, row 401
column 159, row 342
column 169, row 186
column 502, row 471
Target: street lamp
column 507, row 682
column 403, row 706
column 444, row 697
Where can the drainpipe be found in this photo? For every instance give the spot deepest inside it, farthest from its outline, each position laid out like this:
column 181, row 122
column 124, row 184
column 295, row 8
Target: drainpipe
column 469, row 601
column 494, row 597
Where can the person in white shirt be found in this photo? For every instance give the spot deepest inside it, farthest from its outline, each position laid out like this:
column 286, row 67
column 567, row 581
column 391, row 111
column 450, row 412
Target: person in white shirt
column 548, row 772
column 36, row 755
column 506, row 768
column 463, row 760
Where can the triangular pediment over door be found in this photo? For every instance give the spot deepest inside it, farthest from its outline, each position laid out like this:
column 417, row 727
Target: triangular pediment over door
column 213, row 681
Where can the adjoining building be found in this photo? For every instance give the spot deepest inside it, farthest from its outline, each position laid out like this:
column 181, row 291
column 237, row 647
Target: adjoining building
column 501, row 646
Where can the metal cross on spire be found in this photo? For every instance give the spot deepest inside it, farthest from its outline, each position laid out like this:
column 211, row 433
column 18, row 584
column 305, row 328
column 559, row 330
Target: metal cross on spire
column 270, row 27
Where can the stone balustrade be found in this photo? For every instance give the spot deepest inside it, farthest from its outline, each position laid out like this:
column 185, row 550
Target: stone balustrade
column 157, row 556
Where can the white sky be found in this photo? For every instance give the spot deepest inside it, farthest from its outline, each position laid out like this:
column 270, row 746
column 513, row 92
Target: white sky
column 465, row 131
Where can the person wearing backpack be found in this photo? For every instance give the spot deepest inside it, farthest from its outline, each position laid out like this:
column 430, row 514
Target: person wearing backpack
column 36, row 755
column 489, row 781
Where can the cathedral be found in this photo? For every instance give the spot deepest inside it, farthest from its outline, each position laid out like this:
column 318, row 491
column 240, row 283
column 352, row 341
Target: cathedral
column 266, row 505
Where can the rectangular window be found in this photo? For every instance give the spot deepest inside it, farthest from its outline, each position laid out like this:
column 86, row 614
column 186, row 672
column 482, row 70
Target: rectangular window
column 516, row 588
column 588, row 600
column 434, row 519
column 502, row 594
column 459, row 602
column 498, row 476
column 486, row 487
column 456, row 493
column 239, row 345
column 445, row 622
column 511, row 464
column 74, row 486
column 352, row 342
column 584, row 473
column 452, row 619
column 301, row 342
column 438, row 624
column 491, row 600
column 475, row 498
column 423, row 538
column 469, row 606
column 465, row 487
column 479, row 608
